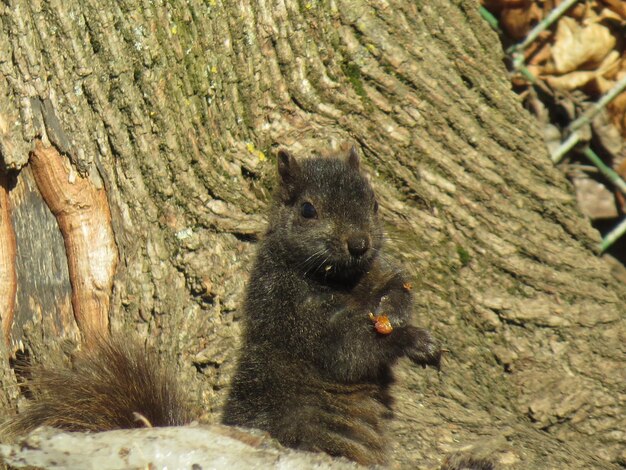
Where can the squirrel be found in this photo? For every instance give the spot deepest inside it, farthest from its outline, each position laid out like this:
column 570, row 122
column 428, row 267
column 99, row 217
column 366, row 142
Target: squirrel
column 326, row 316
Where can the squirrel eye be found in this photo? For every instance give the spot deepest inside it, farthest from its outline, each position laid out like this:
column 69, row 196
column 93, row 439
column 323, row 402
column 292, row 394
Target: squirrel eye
column 307, row 210
column 375, row 207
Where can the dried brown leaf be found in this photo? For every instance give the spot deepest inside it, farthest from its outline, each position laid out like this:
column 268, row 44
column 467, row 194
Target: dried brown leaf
column 570, row 81
column 617, row 6
column 618, row 71
column 579, row 79
column 518, row 21
column 540, row 51
column 579, row 11
column 577, row 45
column 594, row 199
column 617, row 111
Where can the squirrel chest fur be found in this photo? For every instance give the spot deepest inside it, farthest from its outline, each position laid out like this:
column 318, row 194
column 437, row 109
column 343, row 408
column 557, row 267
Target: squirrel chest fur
column 315, row 364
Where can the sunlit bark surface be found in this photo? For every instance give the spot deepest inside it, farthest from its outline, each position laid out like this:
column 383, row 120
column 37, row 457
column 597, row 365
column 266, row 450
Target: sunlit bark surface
column 176, row 109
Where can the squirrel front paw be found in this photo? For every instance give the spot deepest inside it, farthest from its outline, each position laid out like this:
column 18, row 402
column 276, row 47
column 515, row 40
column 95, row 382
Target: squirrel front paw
column 424, row 349
column 396, row 305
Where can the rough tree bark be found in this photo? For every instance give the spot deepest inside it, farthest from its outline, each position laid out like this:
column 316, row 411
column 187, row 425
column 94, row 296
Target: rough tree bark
column 176, row 108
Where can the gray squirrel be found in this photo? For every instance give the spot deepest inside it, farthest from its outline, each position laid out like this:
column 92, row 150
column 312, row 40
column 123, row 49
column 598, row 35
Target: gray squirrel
column 325, row 317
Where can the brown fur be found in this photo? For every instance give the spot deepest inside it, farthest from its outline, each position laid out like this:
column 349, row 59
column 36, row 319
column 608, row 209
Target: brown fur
column 113, row 385
column 313, row 370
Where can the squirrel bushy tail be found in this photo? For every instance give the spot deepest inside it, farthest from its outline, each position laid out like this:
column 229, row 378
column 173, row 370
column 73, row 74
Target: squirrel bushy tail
column 115, row 384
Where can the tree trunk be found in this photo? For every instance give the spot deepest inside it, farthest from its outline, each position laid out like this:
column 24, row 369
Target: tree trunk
column 176, row 110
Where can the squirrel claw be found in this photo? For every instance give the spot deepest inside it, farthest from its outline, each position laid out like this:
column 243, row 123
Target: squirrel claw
column 425, row 351
column 424, row 359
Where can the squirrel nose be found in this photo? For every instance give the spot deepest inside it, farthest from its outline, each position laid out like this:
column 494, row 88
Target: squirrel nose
column 358, row 244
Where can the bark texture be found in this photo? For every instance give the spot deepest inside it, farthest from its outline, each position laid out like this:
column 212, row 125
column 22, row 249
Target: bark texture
column 176, row 108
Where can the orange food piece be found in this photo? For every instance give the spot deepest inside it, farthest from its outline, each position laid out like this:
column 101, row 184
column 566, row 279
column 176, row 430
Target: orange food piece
column 382, row 324
column 407, row 286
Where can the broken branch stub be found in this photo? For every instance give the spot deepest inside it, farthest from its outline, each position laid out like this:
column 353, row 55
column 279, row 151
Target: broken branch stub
column 8, row 275
column 82, row 212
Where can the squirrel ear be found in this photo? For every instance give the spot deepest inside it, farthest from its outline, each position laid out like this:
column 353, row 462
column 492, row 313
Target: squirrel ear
column 288, row 170
column 353, row 158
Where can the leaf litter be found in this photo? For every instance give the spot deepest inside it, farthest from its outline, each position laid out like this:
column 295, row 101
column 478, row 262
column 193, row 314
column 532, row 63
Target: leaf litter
column 575, row 61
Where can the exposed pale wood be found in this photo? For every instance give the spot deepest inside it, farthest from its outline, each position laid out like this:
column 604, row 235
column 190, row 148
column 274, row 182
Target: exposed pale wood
column 84, row 219
column 8, row 274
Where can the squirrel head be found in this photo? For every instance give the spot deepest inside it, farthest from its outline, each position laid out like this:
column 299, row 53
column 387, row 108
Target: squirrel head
column 325, row 215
